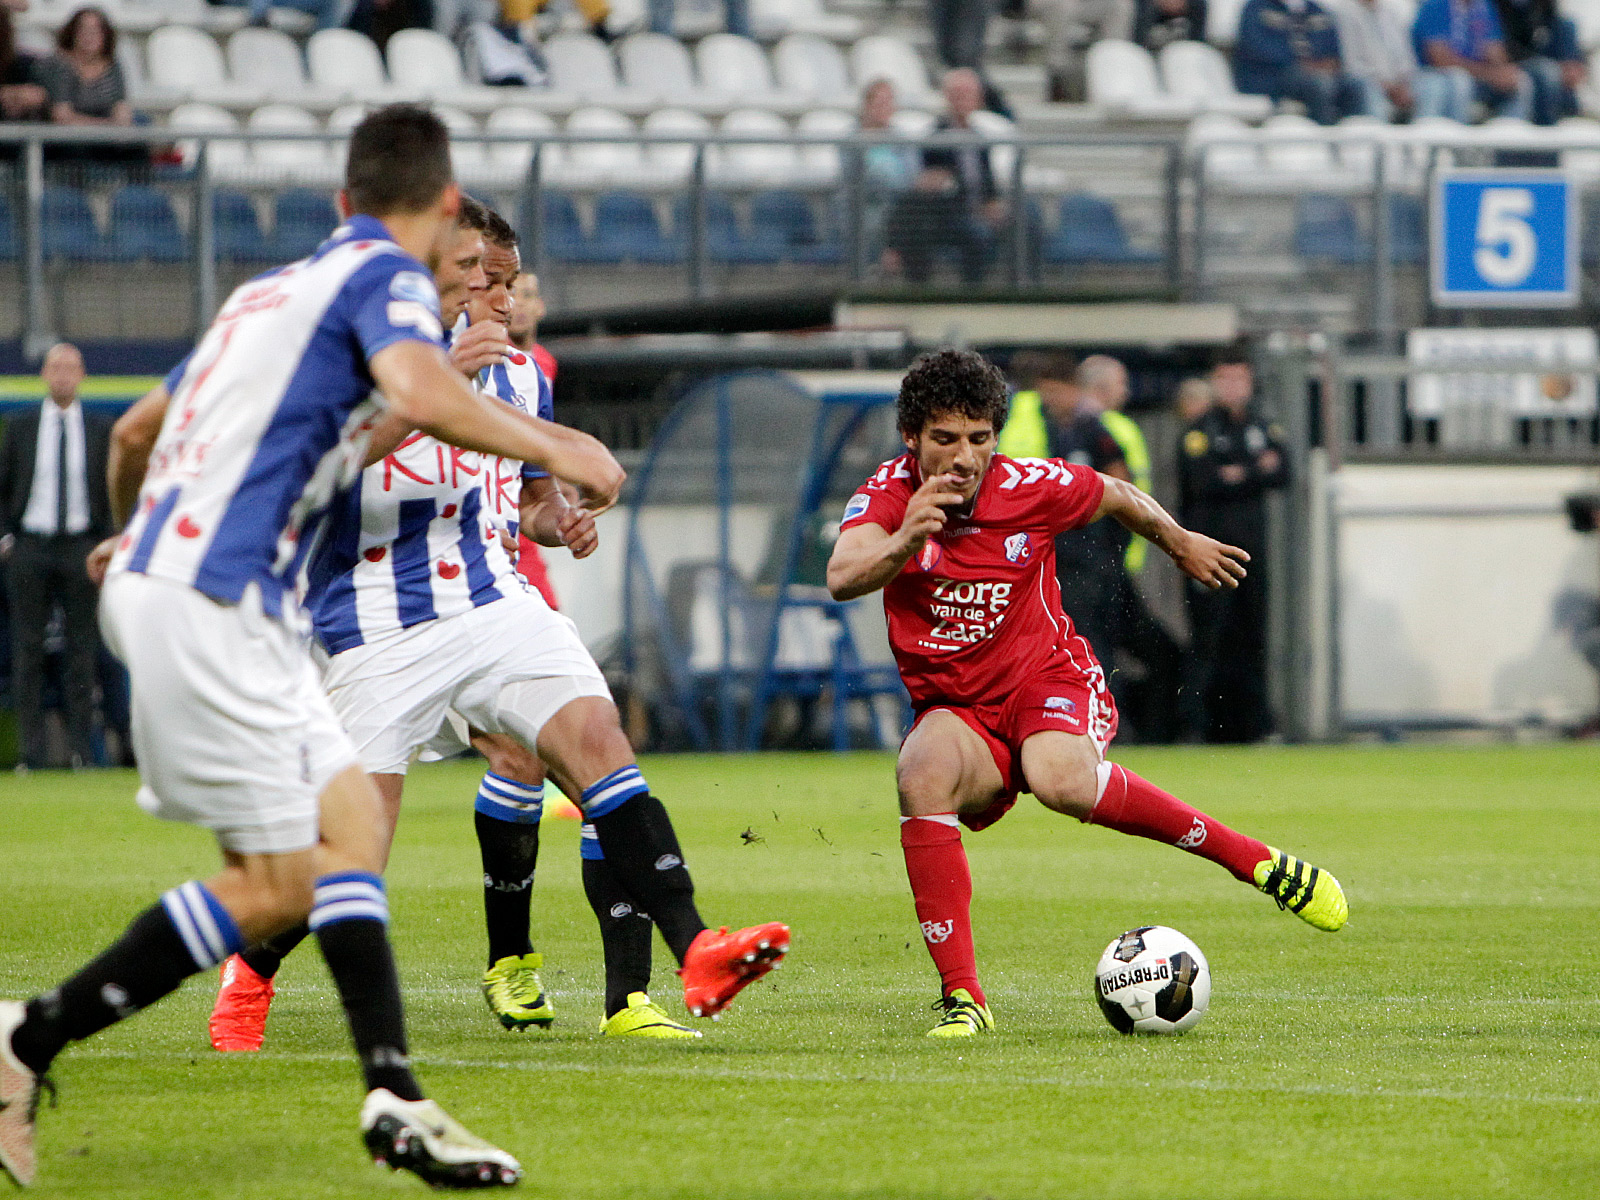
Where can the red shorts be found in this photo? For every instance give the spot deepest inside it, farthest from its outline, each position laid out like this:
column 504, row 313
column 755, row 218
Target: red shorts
column 1070, row 701
column 530, row 565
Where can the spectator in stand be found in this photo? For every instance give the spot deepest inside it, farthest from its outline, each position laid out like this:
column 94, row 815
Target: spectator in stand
column 1545, row 45
column 330, row 14
column 1463, row 54
column 1159, row 23
column 889, row 169
column 85, row 84
column 1289, row 50
column 1376, row 49
column 1070, row 28
column 22, row 97
column 520, row 14
column 960, row 29
column 382, row 19
column 954, row 203
column 735, row 16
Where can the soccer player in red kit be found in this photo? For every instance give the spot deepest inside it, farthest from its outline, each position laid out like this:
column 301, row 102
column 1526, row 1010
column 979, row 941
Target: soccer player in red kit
column 1008, row 697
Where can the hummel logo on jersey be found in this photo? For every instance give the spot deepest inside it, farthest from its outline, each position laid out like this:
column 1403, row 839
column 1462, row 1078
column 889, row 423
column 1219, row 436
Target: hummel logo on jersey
column 1061, row 702
column 667, row 861
column 937, row 931
column 1017, row 548
column 1196, row 835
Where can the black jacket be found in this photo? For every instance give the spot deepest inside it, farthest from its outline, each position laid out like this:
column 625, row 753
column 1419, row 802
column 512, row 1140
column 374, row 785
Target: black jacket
column 1233, row 511
column 18, row 446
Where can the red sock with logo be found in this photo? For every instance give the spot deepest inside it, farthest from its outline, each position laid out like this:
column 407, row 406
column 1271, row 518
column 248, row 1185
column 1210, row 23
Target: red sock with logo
column 1129, row 804
column 941, row 885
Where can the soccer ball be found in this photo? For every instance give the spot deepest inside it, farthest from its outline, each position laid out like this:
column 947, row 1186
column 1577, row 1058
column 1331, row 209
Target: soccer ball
column 1153, row 980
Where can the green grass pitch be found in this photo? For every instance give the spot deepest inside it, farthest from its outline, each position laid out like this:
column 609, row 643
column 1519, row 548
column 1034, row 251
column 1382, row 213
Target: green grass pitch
column 1443, row 1045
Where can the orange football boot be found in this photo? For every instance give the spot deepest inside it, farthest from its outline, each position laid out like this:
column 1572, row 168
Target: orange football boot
column 719, row 965
column 239, row 1017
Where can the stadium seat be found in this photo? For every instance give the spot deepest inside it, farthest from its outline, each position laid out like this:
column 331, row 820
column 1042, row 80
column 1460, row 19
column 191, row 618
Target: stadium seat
column 1222, row 21
column 427, row 64
column 914, row 123
column 724, row 241
column 297, row 161
column 659, row 66
column 582, row 65
column 559, row 226
column 594, row 164
column 756, row 165
column 186, row 62
column 1325, row 228
column 822, row 164
column 882, row 56
column 236, row 229
column 10, row 235
column 627, row 228
column 1226, row 145
column 470, row 158
column 1198, row 72
column 267, row 59
column 736, row 69
column 1002, row 159
column 509, row 161
column 810, row 66
column 67, row 225
column 227, row 157
column 301, row 219
column 772, row 19
column 1121, row 77
column 343, row 62
column 671, row 163
column 144, row 227
column 1295, row 144
column 786, row 221
column 1090, row 231
column 1408, row 229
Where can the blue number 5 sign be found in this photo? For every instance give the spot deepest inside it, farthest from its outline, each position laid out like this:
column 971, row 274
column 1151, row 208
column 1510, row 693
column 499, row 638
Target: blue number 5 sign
column 1505, row 239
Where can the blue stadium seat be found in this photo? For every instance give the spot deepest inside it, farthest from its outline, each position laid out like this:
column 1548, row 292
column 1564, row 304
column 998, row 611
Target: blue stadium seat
column 560, row 228
column 724, row 241
column 68, row 228
column 1325, row 228
column 1089, row 231
column 301, row 220
column 1408, row 230
column 144, row 227
column 237, row 230
column 627, row 229
column 10, row 235
column 785, row 222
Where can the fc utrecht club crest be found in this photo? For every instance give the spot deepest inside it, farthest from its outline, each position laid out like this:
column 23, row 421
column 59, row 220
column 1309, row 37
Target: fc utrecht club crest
column 932, row 555
column 1017, row 547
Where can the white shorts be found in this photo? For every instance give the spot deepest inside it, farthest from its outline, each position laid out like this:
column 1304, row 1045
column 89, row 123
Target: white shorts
column 230, row 725
column 506, row 667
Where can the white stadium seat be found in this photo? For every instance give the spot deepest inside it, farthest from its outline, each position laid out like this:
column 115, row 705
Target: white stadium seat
column 1002, row 159
column 1226, row 144
column 823, row 164
column 509, row 161
column 659, row 66
column 1293, row 143
column 773, row 19
column 1122, row 78
column 807, row 64
column 884, row 57
column 470, row 158
column 426, row 63
column 913, row 122
column 736, row 69
column 671, row 163
column 600, row 164
column 756, row 166
column 227, row 157
column 297, row 162
column 347, row 63
column 1222, row 21
column 582, row 65
column 1199, row 72
column 187, row 62
column 267, row 59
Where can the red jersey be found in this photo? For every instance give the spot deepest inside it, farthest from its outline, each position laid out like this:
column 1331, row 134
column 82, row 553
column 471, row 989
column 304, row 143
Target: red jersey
column 978, row 612
column 546, row 361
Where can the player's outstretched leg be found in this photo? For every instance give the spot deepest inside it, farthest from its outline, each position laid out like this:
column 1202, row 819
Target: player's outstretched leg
column 189, row 930
column 507, row 816
column 1133, row 805
column 584, row 741
column 625, row 935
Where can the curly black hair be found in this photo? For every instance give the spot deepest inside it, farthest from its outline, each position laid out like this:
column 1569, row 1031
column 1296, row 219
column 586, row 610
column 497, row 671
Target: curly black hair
column 952, row 381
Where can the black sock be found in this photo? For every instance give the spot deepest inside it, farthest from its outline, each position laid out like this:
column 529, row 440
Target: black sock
column 266, row 957
column 624, row 933
column 643, row 851
column 151, row 958
column 351, row 919
column 510, row 851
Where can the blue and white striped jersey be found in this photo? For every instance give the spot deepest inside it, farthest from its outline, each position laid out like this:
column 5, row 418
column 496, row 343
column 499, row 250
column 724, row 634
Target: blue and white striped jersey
column 418, row 540
column 521, row 384
column 269, row 417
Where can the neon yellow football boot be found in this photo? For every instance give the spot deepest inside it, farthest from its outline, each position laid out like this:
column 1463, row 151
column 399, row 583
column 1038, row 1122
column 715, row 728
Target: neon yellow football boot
column 1310, row 893
column 514, row 994
column 644, row 1019
column 963, row 1016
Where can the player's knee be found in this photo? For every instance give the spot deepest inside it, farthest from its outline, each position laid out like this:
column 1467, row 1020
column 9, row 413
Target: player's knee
column 1070, row 791
column 926, row 787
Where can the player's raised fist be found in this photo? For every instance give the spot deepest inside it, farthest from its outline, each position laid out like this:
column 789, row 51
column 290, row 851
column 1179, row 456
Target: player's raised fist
column 577, row 531
column 926, row 510
column 1213, row 563
column 482, row 345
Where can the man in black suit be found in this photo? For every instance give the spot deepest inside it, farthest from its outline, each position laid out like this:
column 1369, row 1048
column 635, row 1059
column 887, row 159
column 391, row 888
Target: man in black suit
column 49, row 530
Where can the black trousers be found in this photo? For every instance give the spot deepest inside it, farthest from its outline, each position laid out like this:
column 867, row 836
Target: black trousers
column 43, row 572
column 1228, row 656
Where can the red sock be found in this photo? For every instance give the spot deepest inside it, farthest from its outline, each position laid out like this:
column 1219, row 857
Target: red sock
column 941, row 885
column 1133, row 805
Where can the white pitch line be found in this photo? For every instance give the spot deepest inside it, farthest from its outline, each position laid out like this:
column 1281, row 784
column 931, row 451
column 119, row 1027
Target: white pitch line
column 965, row 1080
